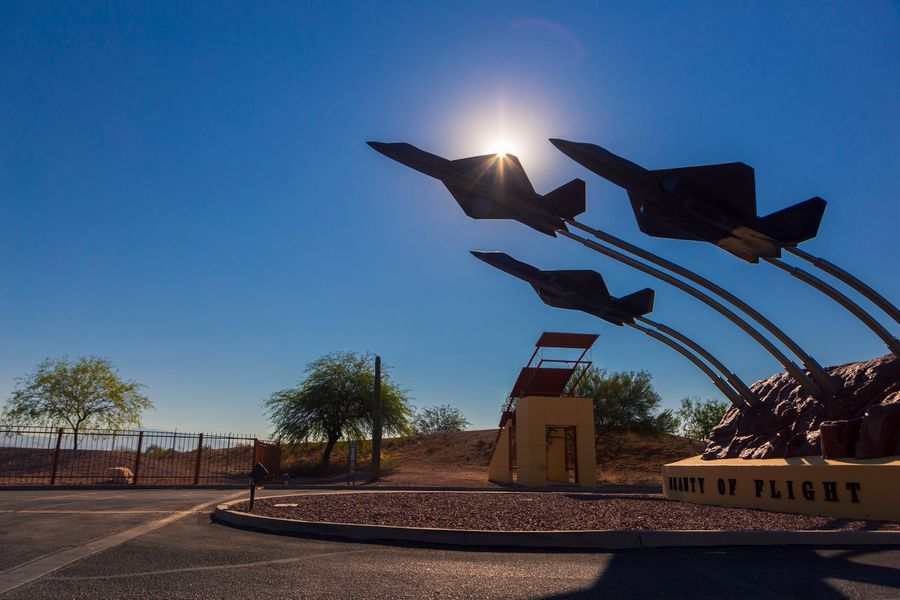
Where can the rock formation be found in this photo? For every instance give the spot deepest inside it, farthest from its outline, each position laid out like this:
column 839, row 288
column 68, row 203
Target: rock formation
column 862, row 421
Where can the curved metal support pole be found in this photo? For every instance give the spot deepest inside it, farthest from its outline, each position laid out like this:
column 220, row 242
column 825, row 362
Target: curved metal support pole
column 719, row 383
column 838, row 273
column 818, row 373
column 892, row 343
column 791, row 368
column 748, row 396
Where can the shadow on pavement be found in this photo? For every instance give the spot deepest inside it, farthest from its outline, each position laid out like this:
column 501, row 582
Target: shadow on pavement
column 745, row 573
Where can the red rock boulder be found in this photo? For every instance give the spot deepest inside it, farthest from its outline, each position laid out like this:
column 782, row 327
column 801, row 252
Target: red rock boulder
column 788, row 422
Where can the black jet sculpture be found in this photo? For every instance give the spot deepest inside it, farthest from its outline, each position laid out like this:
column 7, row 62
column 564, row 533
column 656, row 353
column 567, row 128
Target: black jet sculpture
column 818, row 384
column 710, row 203
column 582, row 290
column 717, row 204
column 586, row 291
column 494, row 187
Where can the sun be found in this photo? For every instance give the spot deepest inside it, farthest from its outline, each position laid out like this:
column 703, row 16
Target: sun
column 501, row 146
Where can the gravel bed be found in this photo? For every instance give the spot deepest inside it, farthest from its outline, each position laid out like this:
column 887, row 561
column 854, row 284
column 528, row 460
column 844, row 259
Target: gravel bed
column 524, row 511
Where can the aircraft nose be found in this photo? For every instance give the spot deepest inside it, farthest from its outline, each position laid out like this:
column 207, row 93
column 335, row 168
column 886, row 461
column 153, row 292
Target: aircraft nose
column 380, row 146
column 560, row 143
column 492, row 258
column 399, row 151
column 563, row 145
column 572, row 149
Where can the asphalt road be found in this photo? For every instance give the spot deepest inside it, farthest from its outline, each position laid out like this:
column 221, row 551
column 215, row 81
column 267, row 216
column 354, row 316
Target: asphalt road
column 190, row 557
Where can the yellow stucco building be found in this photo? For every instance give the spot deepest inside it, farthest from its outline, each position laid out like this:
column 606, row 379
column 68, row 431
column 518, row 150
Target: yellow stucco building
column 547, row 440
column 549, row 436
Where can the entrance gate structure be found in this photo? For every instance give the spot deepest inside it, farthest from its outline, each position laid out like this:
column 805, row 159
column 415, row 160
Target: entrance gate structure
column 546, row 434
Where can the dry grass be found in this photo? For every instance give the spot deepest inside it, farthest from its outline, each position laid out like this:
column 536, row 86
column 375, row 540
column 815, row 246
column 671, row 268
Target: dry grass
column 636, row 459
column 461, row 459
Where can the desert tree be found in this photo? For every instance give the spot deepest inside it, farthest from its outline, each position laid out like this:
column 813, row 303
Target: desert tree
column 625, row 401
column 87, row 392
column 335, row 400
column 435, row 419
column 699, row 417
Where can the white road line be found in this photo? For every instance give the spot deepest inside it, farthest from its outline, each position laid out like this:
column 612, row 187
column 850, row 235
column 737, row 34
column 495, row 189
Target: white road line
column 226, row 567
column 19, row 575
column 41, row 511
column 4, row 497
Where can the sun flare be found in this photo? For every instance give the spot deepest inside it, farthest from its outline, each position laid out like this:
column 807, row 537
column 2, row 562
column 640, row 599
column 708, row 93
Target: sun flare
column 489, row 125
column 501, row 146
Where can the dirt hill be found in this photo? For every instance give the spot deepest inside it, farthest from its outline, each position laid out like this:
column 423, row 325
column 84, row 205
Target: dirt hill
column 461, row 458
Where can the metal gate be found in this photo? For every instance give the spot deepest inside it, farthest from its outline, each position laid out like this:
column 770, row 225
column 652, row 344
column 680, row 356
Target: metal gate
column 59, row 456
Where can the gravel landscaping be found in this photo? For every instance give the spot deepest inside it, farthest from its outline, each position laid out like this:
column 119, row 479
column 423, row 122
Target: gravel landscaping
column 524, row 511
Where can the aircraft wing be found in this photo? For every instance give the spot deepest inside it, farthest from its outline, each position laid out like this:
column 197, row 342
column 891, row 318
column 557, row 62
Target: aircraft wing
column 475, row 167
column 657, row 226
column 478, row 206
column 731, row 184
column 586, row 283
column 556, row 301
column 514, row 176
column 504, row 171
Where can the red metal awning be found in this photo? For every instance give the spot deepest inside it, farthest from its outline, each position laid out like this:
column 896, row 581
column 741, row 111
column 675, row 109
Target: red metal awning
column 542, row 382
column 539, row 380
column 551, row 339
column 535, row 379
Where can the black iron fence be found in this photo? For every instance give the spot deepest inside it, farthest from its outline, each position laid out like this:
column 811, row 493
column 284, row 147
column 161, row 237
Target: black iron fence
column 57, row 456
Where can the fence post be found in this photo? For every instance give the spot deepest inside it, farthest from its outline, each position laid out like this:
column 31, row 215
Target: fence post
column 137, row 456
column 199, row 454
column 59, row 434
column 255, row 452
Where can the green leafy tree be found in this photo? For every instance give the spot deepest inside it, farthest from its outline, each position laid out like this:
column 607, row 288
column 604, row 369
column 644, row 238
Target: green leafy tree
column 698, row 417
column 85, row 393
column 334, row 401
column 625, row 401
column 435, row 419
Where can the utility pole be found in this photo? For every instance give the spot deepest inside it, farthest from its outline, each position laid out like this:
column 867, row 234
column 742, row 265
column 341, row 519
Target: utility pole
column 376, row 423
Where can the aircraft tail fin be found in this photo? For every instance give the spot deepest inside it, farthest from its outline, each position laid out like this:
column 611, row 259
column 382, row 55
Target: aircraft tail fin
column 796, row 223
column 567, row 201
column 637, row 304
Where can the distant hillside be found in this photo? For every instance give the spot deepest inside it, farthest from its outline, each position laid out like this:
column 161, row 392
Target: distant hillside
column 461, row 459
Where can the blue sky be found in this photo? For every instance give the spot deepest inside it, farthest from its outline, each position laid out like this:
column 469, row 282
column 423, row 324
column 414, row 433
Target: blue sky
column 185, row 188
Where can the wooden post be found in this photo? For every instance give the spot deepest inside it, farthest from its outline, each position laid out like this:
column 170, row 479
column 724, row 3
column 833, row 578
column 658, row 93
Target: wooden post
column 59, row 434
column 199, row 455
column 137, row 456
column 376, row 423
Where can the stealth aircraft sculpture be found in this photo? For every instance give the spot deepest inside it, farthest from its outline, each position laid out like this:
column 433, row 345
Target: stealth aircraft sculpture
column 582, row 290
column 494, row 187
column 586, row 291
column 712, row 203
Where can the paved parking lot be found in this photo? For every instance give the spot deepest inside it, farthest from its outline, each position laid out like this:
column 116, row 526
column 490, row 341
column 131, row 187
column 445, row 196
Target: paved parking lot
column 161, row 544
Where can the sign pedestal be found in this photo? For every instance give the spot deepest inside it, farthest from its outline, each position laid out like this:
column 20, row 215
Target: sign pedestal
column 846, row 488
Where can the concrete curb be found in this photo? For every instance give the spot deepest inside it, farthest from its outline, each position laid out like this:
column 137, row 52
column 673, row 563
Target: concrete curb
column 600, row 489
column 274, row 487
column 118, row 486
column 583, row 540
